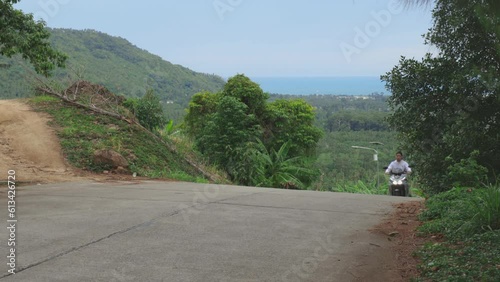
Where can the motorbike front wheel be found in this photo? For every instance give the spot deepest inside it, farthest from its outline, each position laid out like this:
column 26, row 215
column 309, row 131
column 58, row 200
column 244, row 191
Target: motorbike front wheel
column 397, row 190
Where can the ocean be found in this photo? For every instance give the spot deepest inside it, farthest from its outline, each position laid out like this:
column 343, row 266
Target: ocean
column 354, row 85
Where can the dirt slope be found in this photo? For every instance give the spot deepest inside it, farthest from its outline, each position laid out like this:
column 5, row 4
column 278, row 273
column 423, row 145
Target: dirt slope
column 29, row 146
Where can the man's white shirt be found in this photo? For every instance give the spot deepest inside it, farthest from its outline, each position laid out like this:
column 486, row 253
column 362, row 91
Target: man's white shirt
column 401, row 165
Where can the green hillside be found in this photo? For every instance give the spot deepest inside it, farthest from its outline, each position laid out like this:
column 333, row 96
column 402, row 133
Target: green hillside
column 117, row 64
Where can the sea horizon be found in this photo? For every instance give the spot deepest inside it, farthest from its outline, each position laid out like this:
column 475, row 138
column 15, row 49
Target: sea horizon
column 322, row 85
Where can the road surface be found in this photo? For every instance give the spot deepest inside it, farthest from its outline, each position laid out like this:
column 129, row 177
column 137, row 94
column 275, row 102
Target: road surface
column 176, row 231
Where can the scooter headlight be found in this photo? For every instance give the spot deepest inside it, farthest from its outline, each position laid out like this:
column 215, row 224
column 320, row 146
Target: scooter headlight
column 400, row 182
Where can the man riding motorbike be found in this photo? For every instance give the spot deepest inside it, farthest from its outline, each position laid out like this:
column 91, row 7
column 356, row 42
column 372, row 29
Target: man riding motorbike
column 398, row 170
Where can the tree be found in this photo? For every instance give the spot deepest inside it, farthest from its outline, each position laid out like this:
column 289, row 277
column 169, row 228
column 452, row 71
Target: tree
column 448, row 106
column 226, row 137
column 226, row 127
column 202, row 105
column 149, row 111
column 248, row 92
column 20, row 34
column 460, row 3
column 483, row 10
column 275, row 168
column 291, row 121
column 416, row 2
column 356, row 121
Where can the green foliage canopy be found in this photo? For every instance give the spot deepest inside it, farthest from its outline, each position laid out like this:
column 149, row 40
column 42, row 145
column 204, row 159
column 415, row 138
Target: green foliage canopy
column 275, row 168
column 247, row 92
column 20, row 34
column 149, row 111
column 227, row 134
column 227, row 126
column 200, row 107
column 291, row 121
column 347, row 120
column 448, row 106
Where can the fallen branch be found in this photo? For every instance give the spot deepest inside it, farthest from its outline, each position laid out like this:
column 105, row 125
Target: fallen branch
column 92, row 108
column 48, row 90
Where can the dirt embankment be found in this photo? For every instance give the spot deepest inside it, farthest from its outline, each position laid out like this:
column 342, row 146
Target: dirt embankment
column 29, row 146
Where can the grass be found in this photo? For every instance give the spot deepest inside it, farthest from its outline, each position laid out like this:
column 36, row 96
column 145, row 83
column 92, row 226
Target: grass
column 486, row 209
column 469, row 220
column 361, row 187
column 475, row 259
column 182, row 176
column 82, row 132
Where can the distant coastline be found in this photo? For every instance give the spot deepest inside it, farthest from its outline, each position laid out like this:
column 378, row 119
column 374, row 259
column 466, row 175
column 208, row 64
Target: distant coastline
column 353, row 85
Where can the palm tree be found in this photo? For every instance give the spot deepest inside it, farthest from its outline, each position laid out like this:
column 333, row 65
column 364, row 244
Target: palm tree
column 277, row 169
column 461, row 3
column 409, row 3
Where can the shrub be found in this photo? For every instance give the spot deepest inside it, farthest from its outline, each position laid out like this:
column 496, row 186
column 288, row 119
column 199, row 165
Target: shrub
column 486, row 207
column 467, row 172
column 149, row 111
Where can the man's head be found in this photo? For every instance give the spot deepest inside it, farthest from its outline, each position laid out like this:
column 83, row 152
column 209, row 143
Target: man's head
column 399, row 156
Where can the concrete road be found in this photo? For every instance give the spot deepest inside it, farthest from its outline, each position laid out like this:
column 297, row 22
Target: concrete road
column 175, row 231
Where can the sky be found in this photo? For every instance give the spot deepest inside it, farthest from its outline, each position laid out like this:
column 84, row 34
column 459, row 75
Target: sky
column 259, row 38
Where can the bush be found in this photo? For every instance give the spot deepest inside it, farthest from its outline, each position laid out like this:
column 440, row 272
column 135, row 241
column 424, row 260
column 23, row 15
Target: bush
column 486, row 209
column 462, row 212
column 149, row 111
column 467, row 172
column 470, row 220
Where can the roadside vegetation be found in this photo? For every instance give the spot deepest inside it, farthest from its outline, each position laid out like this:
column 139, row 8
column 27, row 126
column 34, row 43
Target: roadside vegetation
column 83, row 132
column 446, row 109
column 256, row 142
column 465, row 225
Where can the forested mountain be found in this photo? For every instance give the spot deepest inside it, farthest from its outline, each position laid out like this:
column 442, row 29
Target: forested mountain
column 117, row 64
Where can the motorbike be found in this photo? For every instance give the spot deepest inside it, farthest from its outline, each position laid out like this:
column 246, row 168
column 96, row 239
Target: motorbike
column 398, row 183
